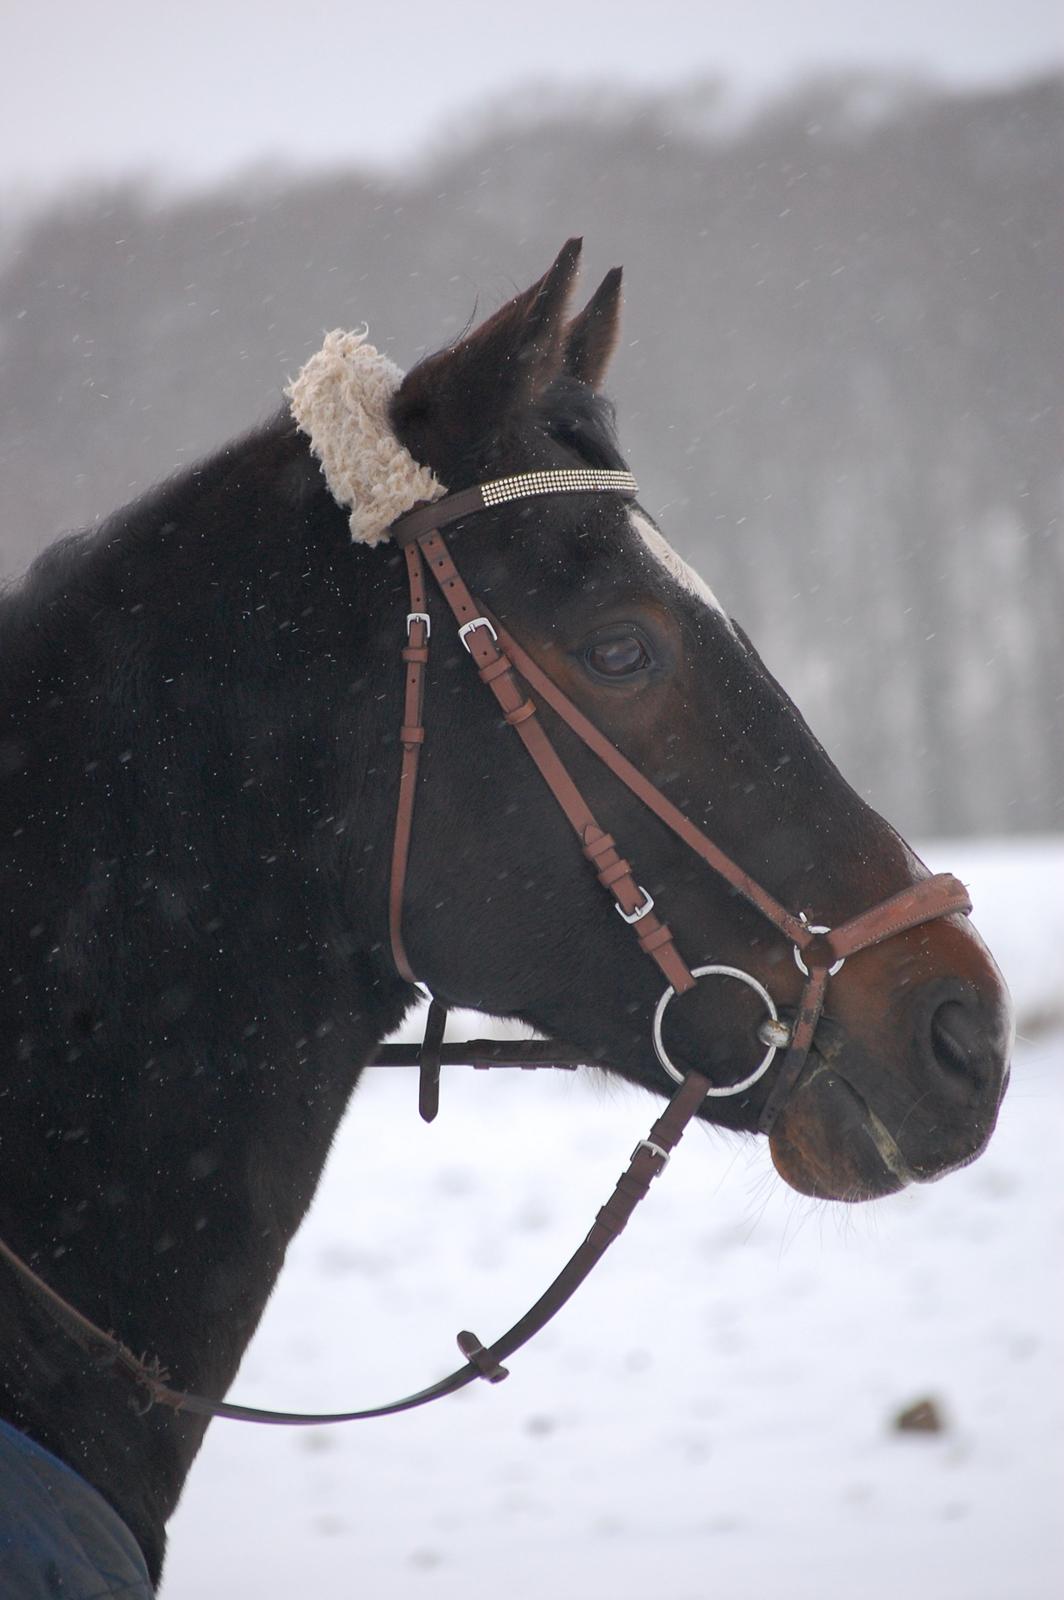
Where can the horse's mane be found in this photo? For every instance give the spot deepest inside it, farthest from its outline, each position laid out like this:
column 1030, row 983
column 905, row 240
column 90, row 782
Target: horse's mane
column 67, row 584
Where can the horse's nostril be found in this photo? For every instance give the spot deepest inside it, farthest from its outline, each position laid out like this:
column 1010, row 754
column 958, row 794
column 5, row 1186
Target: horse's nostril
column 959, row 1045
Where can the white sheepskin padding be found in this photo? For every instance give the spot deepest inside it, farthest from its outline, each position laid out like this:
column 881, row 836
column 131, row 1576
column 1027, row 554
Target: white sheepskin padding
column 341, row 400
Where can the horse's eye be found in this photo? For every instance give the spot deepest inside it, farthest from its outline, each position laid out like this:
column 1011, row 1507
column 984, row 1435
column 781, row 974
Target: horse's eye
column 617, row 658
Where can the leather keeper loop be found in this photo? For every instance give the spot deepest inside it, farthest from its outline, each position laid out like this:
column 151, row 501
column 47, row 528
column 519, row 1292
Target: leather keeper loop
column 477, row 1354
column 598, row 846
column 495, row 669
column 610, row 875
column 654, row 938
column 610, row 1221
column 633, row 1187
column 416, row 652
column 522, row 714
column 411, row 736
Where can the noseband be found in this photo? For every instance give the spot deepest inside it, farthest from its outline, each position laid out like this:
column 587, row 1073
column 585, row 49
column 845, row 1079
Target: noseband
column 819, row 952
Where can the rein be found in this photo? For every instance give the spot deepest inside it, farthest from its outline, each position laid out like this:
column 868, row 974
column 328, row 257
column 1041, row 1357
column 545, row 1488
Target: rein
column 819, row 952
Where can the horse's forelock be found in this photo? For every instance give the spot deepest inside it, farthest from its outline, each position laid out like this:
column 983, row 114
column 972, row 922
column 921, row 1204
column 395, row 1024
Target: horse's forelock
column 576, row 416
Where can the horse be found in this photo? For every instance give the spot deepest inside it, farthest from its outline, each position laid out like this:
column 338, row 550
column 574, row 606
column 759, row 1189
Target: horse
column 207, row 723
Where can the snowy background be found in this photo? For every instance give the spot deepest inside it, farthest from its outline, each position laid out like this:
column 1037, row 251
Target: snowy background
column 713, row 1414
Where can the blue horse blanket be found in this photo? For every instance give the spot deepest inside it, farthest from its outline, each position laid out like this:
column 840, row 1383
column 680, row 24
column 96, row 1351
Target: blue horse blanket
column 59, row 1539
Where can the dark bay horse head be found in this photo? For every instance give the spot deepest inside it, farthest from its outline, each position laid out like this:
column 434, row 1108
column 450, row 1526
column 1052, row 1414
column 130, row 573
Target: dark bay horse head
column 911, row 1056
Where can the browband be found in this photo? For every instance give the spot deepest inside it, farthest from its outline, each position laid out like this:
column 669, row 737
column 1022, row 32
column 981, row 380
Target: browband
column 424, row 519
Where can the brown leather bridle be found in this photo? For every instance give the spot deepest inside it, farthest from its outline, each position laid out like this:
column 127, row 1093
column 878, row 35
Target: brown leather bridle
column 501, row 662
column 502, row 665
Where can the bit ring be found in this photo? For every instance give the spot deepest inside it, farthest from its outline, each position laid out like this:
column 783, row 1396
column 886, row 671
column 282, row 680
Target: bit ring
column 773, row 1019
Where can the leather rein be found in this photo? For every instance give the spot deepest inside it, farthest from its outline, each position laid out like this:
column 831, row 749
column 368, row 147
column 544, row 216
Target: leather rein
column 820, row 952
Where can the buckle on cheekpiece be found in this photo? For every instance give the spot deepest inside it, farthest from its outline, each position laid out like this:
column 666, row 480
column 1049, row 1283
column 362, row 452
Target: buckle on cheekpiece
column 469, row 627
column 640, row 911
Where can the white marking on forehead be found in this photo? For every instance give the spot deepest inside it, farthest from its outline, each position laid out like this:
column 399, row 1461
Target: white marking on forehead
column 689, row 580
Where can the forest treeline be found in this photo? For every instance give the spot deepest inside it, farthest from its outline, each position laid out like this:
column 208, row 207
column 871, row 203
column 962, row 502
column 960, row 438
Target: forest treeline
column 839, row 380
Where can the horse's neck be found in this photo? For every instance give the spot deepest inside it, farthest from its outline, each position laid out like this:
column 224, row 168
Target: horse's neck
column 190, row 1002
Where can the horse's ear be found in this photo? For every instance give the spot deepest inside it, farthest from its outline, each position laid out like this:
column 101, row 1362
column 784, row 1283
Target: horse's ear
column 591, row 338
column 455, row 400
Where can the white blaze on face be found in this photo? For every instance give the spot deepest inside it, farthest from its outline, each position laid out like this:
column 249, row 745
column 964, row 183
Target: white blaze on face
column 675, row 565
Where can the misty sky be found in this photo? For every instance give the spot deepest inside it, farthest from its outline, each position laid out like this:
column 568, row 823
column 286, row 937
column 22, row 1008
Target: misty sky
column 195, row 90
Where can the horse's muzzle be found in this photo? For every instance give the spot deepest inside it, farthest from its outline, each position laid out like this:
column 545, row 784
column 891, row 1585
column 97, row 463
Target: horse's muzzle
column 873, row 1113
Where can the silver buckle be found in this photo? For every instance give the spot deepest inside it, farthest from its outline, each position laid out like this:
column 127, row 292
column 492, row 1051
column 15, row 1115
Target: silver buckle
column 640, row 911
column 663, row 1155
column 419, row 616
column 468, row 627
column 815, row 927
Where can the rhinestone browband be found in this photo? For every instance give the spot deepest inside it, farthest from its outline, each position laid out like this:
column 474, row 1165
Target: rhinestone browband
column 497, row 492
column 424, row 519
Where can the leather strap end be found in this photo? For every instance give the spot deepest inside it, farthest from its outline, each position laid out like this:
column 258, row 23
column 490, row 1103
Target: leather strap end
column 429, row 1060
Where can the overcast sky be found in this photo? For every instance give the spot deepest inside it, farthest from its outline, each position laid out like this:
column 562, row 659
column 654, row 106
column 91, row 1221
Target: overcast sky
column 193, row 89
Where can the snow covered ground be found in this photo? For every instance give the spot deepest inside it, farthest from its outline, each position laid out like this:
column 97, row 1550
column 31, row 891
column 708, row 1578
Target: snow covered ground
column 712, row 1414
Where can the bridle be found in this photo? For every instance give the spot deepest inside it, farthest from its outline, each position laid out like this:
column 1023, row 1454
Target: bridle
column 503, row 665
column 819, row 952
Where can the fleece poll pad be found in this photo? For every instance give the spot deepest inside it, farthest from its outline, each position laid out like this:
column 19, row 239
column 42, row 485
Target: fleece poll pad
column 341, row 400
